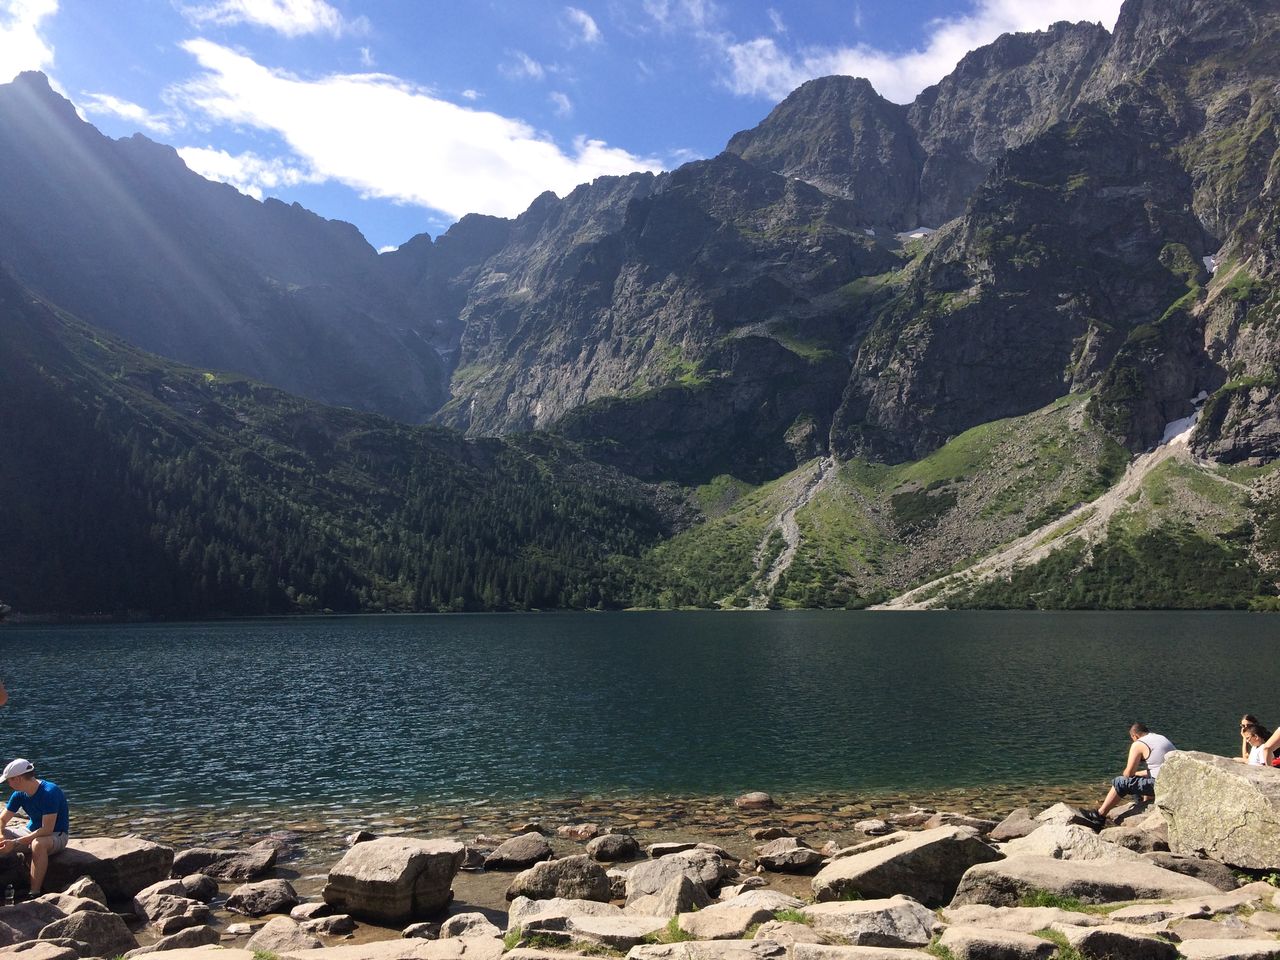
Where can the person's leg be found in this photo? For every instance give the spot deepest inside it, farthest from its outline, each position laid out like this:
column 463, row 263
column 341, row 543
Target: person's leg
column 1113, row 797
column 41, row 847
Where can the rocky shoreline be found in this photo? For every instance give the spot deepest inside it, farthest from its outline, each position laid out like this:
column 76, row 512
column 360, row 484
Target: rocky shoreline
column 751, row 877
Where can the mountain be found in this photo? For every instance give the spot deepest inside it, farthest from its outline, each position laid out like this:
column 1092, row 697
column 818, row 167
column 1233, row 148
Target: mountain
column 121, row 233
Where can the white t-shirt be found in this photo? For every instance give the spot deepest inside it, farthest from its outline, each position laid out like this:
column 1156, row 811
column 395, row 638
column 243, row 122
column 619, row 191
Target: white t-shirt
column 1159, row 746
column 1258, row 757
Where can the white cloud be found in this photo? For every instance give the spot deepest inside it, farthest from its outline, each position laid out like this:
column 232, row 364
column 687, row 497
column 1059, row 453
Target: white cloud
column 523, row 67
column 775, row 19
column 105, row 103
column 470, row 94
column 698, row 15
column 760, row 67
column 563, row 105
column 585, row 24
column 366, row 58
column 388, row 139
column 21, row 46
column 293, row 18
column 247, row 172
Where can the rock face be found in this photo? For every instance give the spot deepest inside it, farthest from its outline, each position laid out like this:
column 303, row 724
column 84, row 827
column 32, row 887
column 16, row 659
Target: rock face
column 120, row 867
column 394, row 881
column 1093, row 881
column 926, row 866
column 574, row 878
column 1226, row 810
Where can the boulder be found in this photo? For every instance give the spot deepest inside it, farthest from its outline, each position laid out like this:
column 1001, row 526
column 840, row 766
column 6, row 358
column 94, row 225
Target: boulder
column 1228, row 928
column 335, row 925
column 120, row 867
column 394, row 880
column 894, row 922
column 926, row 866
column 67, row 904
column 765, row 834
column 980, row 943
column 789, row 855
column 160, row 908
column 1017, row 824
column 421, row 931
column 468, row 925
column 1142, row 835
column 311, row 911
column 182, row 940
column 726, row 922
column 40, row 950
column 24, row 921
column 1067, row 842
column 1117, row 943
column 756, row 800
column 579, row 831
column 1228, row 811
column 250, row 864
column 261, row 898
column 613, row 848
column 524, row 911
column 913, row 819
column 1229, row 949
column 1062, row 813
column 656, row 850
column 105, row 933
column 680, row 895
column 519, row 853
column 1006, row 882
column 945, row 818
column 87, row 889
column 1018, row 919
column 875, row 827
column 282, row 935
column 787, row 933
column 614, row 932
column 572, row 878
column 698, row 865
column 711, row 950
column 1210, row 871
column 822, row 951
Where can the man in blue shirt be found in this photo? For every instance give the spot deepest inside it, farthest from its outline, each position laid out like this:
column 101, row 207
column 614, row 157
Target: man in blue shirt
column 48, row 828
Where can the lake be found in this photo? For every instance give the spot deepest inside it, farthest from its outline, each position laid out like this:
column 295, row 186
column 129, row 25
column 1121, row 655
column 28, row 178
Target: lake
column 466, row 708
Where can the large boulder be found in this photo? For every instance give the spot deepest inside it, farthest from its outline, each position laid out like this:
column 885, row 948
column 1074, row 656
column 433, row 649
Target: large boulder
column 699, row 866
column 120, row 867
column 1210, row 871
column 712, row 950
column 1017, row 824
column 24, row 921
column 264, row 897
column 519, row 853
column 615, row 932
column 1117, row 943
column 893, row 922
column 182, row 940
column 789, row 855
column 169, row 913
column 250, row 864
column 282, row 935
column 571, row 878
column 680, row 895
column 979, row 943
column 613, row 847
column 468, row 925
column 926, row 866
column 525, row 911
column 105, row 933
column 1017, row 919
column 394, row 880
column 1227, row 811
column 1067, row 842
column 731, row 919
column 1007, row 882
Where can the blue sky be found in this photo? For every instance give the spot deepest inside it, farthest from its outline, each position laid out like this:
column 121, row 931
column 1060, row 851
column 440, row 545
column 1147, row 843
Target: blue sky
column 402, row 115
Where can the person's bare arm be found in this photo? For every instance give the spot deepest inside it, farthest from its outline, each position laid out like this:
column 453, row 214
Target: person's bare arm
column 1138, row 754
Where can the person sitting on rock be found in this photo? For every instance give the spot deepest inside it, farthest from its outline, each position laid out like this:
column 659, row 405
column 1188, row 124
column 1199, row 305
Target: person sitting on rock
column 1255, row 735
column 49, row 827
column 1245, row 746
column 1146, row 755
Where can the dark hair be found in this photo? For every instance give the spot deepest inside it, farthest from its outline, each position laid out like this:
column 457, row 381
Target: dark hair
column 1251, row 729
column 1141, row 729
column 1247, row 719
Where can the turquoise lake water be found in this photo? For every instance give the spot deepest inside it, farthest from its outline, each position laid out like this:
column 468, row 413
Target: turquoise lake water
column 451, row 709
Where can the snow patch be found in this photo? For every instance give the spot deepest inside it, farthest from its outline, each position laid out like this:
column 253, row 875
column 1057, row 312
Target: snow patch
column 1211, row 263
column 1179, row 431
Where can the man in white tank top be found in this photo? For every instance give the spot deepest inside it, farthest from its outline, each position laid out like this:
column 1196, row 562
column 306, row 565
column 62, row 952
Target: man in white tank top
column 1146, row 757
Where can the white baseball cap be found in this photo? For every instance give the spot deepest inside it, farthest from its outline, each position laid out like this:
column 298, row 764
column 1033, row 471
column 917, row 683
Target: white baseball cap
column 18, row 768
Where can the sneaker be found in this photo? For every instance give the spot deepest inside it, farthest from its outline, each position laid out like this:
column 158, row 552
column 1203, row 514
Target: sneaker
column 1095, row 820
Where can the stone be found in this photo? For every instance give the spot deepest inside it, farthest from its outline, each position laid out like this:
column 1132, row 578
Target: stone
column 468, row 925
column 945, row 818
column 1067, row 842
column 769, row 833
column 1264, row 920
column 787, row 932
column 250, row 864
column 756, row 800
column 171, row 913
column 617, row 883
column 1117, row 943
column 1018, row 919
column 748, row 883
column 40, row 950
column 87, row 889
column 360, row 836
column 679, row 895
column 1210, row 871
column 726, row 922
column 242, row 929
column 519, row 853
column 67, row 904
column 336, row 925
column 711, row 950
column 1063, row 814
column 421, row 931
column 105, row 933
column 927, row 866
column 282, row 935
column 789, row 855
column 875, row 843
column 980, row 943
column 182, row 940
column 394, row 880
column 1006, row 882
column 1231, row 928
column 615, row 932
column 579, row 831
column 473, row 858
column 897, row 921
column 698, row 865
column 261, row 898
column 656, row 850
column 531, row 826
column 24, row 921
column 200, row 887
column 311, row 911
column 1145, row 835
column 524, row 911
column 913, row 819
column 874, row 827
column 613, row 848
column 1017, row 824
column 1229, row 949
column 572, row 878
column 120, row 867
column 1228, row 811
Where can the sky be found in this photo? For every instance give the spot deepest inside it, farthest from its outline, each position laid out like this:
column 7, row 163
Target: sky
column 401, row 116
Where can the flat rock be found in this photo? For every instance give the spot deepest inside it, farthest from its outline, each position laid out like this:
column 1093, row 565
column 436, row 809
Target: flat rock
column 982, row 943
column 769, row 833
column 613, row 848
column 281, row 935
column 182, row 940
column 39, row 950
column 335, row 925
column 105, row 933
column 893, row 922
column 1229, row 949
column 1213, row 930
column 1018, row 919
column 711, row 950
column 1210, row 871
column 519, row 853
column 655, row 850
column 787, row 932
column 698, row 865
column 311, row 911
column 1006, row 882
column 789, row 855
column 458, row 948
column 1017, row 824
column 821, row 951
column 1228, row 811
column 263, row 897
column 1062, row 813
column 945, row 818
column 680, row 895
column 724, row 922
column 1117, row 943
column 120, row 867
column 615, row 932
column 394, row 880
column 1067, row 842
column 524, row 911
column 571, row 878
column 468, row 925
column 756, row 800
column 926, row 866
column 250, row 864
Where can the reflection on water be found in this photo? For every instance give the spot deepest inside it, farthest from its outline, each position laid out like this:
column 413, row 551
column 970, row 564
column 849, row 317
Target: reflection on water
column 376, row 713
